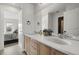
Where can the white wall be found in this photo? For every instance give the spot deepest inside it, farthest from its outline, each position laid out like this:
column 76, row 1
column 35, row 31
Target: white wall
column 45, row 22
column 1, row 29
column 28, row 14
column 50, row 21
column 71, row 21
column 37, row 18
column 10, row 14
column 70, row 6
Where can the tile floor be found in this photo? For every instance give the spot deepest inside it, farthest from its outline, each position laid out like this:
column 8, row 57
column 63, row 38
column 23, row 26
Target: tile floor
column 12, row 49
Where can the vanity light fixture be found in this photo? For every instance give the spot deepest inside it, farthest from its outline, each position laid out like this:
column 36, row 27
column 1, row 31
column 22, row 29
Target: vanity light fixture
column 28, row 22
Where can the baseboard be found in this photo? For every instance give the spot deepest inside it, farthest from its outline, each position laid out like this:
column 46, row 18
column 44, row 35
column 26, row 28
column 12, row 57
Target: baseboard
column 24, row 52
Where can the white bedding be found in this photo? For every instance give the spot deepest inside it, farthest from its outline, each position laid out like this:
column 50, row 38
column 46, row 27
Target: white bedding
column 10, row 36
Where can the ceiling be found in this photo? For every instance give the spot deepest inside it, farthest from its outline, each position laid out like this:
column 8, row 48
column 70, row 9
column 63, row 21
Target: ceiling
column 53, row 7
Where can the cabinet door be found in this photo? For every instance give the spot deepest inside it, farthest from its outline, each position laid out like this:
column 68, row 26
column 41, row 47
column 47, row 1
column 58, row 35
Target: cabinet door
column 27, row 45
column 34, row 47
column 44, row 50
column 59, row 53
column 56, row 52
column 52, row 51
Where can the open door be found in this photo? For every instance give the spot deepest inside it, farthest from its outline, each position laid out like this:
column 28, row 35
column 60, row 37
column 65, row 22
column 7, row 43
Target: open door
column 60, row 25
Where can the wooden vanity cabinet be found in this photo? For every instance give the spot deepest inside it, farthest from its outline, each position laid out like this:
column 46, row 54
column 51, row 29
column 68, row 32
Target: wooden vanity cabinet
column 27, row 45
column 37, row 48
column 52, row 51
column 31, row 46
column 34, row 47
column 59, row 53
column 56, row 52
column 43, row 49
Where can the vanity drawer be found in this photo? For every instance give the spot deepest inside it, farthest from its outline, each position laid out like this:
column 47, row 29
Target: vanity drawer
column 27, row 44
column 34, row 43
column 34, row 50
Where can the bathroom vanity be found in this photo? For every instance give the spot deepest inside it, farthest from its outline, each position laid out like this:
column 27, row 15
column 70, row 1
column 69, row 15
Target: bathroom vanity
column 35, row 47
column 49, row 45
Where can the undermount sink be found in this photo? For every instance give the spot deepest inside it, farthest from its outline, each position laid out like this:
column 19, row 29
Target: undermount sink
column 58, row 40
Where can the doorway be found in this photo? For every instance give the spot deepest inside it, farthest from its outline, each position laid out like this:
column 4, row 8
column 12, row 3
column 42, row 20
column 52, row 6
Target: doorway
column 60, row 25
column 11, row 21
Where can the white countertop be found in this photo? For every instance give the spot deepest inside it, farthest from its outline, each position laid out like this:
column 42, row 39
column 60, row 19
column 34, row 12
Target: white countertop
column 71, row 49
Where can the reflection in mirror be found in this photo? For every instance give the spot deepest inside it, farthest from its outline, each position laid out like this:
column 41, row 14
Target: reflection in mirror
column 9, row 27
